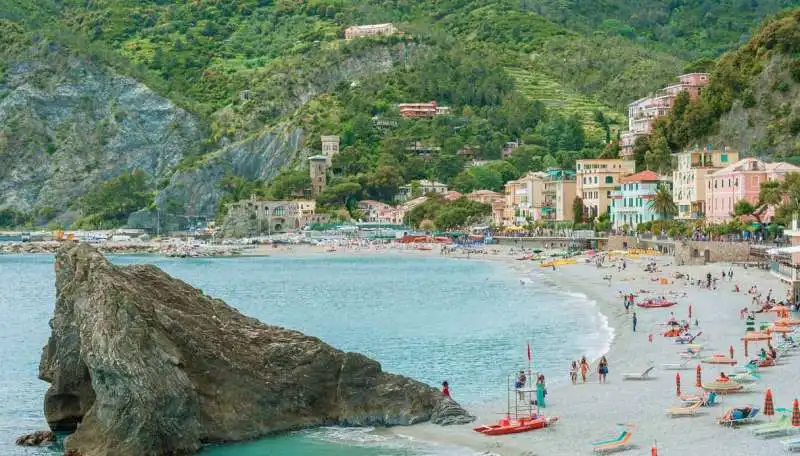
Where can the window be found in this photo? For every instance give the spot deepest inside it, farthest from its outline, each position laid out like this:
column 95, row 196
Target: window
column 637, row 186
column 723, row 158
column 609, row 179
column 279, row 211
column 595, row 179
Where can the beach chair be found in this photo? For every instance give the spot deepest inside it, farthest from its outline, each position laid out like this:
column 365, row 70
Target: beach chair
column 642, row 376
column 623, row 442
column 738, row 416
column 777, row 429
column 791, row 445
column 690, row 410
column 683, row 365
column 687, row 340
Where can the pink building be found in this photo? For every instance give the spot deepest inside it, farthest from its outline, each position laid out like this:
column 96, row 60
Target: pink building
column 643, row 112
column 414, row 110
column 376, row 211
column 740, row 181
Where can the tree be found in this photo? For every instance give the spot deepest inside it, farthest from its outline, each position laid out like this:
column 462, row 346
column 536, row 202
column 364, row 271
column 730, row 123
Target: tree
column 662, row 203
column 383, row 183
column 427, row 225
column 451, row 218
column 577, row 210
column 659, row 157
column 114, row 200
column 345, row 193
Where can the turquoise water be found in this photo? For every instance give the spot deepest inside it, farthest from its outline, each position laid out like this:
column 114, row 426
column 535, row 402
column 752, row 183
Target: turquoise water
column 433, row 319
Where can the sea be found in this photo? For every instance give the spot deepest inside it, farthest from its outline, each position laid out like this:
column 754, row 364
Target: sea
column 465, row 321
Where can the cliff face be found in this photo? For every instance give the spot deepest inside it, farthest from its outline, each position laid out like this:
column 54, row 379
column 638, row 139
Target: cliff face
column 67, row 124
column 142, row 364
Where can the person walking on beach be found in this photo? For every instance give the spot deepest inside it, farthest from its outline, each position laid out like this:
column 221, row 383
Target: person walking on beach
column 573, row 372
column 602, row 369
column 584, row 368
column 633, row 320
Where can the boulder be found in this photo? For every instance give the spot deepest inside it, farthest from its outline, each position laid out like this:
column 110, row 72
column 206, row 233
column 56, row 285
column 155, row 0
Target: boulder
column 37, row 438
column 140, row 363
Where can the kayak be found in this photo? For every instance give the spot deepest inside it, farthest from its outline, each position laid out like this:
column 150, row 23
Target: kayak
column 653, row 304
column 504, row 427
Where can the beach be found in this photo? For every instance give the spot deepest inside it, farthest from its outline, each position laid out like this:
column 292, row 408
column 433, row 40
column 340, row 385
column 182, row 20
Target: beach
column 595, row 412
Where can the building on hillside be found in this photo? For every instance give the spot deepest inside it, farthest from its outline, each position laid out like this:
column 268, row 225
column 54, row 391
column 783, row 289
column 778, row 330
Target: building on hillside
column 689, row 178
column 274, row 216
column 378, row 212
column 643, row 112
column 468, row 152
column 330, row 146
column 361, row 31
column 415, row 110
column 318, row 170
column 485, row 196
column 558, row 195
column 631, row 202
column 423, row 150
column 425, row 187
column 595, row 179
column 509, row 148
column 740, row 181
column 452, row 195
column 408, row 206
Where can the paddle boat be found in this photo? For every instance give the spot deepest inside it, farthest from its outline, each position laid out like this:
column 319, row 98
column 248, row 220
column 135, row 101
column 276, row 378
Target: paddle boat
column 655, row 303
column 509, row 426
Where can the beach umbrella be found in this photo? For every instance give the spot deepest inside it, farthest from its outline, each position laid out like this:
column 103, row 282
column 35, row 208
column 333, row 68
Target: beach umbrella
column 699, row 381
column 745, row 349
column 690, row 311
column 731, row 351
column 756, row 337
column 769, row 406
column 678, row 384
column 795, row 414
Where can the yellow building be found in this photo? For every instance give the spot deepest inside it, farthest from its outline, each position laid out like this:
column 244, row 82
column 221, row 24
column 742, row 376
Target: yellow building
column 596, row 179
column 558, row 198
column 689, row 178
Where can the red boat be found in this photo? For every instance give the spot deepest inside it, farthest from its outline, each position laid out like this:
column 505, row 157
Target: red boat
column 506, row 426
column 655, row 303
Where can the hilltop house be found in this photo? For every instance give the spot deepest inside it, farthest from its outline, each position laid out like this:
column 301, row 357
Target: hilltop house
column 424, row 186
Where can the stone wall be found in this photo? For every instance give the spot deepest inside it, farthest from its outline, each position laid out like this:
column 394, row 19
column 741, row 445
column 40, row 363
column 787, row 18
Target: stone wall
column 702, row 252
column 620, row 242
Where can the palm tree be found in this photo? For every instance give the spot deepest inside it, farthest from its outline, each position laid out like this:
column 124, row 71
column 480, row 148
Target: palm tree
column 663, row 203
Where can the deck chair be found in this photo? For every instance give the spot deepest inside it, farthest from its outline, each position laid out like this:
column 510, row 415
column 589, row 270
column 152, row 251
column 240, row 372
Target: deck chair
column 688, row 340
column 683, row 365
column 618, row 444
column 689, row 410
column 728, row 418
column 642, row 376
column 791, row 444
column 770, row 430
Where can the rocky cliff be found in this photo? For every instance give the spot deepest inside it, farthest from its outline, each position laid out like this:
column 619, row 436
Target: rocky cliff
column 142, row 364
column 67, row 124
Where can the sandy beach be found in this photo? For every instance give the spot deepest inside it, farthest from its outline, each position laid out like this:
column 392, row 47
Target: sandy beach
column 591, row 412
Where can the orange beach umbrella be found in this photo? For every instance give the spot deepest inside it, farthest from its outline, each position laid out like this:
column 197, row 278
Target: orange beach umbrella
column 769, row 406
column 756, row 336
column 699, row 380
column 795, row 414
column 678, row 384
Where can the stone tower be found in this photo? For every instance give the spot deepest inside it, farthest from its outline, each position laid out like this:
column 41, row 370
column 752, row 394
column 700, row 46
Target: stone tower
column 318, row 169
column 330, row 147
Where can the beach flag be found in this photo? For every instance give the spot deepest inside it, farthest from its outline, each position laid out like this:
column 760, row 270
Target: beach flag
column 795, row 414
column 699, row 380
column 678, row 384
column 769, row 407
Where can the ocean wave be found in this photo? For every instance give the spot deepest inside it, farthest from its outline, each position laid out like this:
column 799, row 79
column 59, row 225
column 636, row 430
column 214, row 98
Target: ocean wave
column 384, row 444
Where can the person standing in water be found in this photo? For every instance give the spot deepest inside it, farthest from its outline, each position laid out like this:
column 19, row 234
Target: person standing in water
column 602, row 369
column 584, row 366
column 541, row 391
column 573, row 372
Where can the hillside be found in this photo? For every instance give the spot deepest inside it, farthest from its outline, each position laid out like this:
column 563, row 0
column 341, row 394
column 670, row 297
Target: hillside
column 751, row 103
column 256, row 82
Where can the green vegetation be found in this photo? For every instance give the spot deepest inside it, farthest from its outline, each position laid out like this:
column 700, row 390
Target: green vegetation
column 447, row 215
column 110, row 204
column 663, row 204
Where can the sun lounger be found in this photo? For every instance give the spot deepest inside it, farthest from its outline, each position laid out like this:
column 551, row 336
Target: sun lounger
column 732, row 418
column 777, row 429
column 687, row 340
column 623, row 442
column 791, row 444
column 683, row 365
column 690, row 410
column 642, row 376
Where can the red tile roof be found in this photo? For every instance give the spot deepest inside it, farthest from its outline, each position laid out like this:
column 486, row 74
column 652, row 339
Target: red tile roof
column 644, row 176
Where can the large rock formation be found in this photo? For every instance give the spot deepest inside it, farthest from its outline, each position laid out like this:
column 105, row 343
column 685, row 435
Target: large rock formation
column 143, row 364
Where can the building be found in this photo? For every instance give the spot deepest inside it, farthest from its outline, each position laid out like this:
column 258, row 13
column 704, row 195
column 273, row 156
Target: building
column 416, row 110
column 558, row 195
column 361, row 31
column 452, row 195
column 643, row 112
column 631, row 202
column 595, row 179
column 378, row 212
column 274, row 216
column 424, row 187
column 689, row 178
column 330, row 147
column 524, row 199
column 785, row 262
column 509, row 148
column 423, row 150
column 740, row 181
column 485, row 196
column 408, row 206
column 318, row 170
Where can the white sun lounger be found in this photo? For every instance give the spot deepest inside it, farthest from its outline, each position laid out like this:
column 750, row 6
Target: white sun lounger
column 642, row 376
column 683, row 365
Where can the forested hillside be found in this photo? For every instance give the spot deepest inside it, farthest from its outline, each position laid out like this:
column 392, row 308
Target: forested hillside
column 263, row 79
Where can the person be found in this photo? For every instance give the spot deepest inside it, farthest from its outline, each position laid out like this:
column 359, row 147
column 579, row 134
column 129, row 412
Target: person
column 773, row 353
column 573, row 372
column 634, row 320
column 445, row 389
column 723, row 377
column 520, row 383
column 584, row 365
column 602, row 369
column 541, row 391
column 763, row 355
